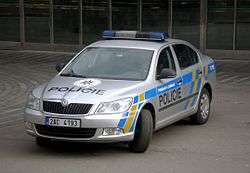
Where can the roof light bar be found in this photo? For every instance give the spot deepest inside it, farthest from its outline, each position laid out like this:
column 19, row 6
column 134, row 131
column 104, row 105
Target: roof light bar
column 155, row 36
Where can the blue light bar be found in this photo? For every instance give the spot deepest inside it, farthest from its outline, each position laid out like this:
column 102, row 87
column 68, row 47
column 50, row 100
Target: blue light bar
column 154, row 36
column 108, row 34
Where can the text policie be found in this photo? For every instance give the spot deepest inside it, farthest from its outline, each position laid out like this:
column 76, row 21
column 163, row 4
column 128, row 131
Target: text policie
column 77, row 89
column 170, row 97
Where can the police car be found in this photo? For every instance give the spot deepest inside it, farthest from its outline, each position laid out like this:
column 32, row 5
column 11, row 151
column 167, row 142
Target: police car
column 123, row 88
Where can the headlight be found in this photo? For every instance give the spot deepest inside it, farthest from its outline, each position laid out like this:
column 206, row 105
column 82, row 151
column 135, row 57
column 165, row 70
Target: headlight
column 33, row 102
column 117, row 106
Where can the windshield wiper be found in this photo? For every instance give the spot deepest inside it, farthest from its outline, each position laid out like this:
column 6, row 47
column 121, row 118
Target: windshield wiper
column 72, row 75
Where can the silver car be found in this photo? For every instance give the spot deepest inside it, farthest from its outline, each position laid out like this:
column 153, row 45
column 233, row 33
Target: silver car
column 123, row 88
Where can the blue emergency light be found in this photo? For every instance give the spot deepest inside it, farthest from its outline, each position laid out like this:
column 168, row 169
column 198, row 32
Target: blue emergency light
column 154, row 36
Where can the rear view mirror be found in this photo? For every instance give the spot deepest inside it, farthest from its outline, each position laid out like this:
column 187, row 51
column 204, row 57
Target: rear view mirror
column 166, row 73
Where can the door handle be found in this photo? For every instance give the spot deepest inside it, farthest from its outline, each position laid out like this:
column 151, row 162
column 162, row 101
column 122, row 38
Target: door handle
column 179, row 82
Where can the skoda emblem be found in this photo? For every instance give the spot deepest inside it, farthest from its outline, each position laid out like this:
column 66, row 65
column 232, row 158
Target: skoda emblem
column 64, row 102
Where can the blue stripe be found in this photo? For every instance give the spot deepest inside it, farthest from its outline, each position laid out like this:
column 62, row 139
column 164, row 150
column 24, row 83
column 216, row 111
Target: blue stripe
column 187, row 78
column 197, row 74
column 133, row 124
column 139, row 106
column 125, row 114
column 150, row 93
column 166, row 87
column 211, row 67
column 135, row 99
column 122, row 122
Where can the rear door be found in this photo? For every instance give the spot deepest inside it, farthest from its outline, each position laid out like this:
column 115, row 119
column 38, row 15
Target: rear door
column 191, row 72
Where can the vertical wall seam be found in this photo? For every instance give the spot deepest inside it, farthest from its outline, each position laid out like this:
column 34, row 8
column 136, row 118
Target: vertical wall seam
column 22, row 23
column 51, row 21
column 80, row 24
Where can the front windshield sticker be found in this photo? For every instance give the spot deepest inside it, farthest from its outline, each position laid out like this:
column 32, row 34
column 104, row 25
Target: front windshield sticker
column 87, row 83
column 77, row 89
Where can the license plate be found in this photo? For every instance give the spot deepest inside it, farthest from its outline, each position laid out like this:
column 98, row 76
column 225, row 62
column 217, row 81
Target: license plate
column 63, row 122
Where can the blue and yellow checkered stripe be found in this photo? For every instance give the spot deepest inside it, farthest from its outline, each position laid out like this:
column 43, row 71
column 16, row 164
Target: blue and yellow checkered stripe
column 197, row 81
column 128, row 121
column 195, row 87
column 129, row 118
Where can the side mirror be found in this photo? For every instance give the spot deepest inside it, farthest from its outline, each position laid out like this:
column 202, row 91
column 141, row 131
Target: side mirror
column 60, row 66
column 166, row 73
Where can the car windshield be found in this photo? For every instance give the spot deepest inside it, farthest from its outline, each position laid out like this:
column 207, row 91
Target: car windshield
column 111, row 63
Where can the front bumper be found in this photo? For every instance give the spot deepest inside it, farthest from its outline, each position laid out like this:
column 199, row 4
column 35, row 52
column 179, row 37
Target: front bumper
column 99, row 122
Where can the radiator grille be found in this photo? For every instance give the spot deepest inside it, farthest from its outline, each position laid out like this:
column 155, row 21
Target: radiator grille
column 72, row 108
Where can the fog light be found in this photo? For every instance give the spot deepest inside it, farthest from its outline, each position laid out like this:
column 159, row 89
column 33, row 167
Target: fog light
column 29, row 125
column 112, row 131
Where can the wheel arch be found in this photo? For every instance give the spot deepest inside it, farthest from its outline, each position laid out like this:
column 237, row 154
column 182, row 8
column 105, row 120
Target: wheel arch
column 209, row 89
column 150, row 107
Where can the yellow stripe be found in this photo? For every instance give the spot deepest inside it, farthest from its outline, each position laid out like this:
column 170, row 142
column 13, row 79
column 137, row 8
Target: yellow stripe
column 200, row 69
column 141, row 97
column 206, row 70
column 133, row 108
column 194, row 90
column 129, row 121
column 195, row 86
column 194, row 74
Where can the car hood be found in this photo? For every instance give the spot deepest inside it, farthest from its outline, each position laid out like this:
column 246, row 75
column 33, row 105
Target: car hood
column 88, row 90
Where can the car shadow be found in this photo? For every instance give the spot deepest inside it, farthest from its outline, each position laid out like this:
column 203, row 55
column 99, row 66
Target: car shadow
column 82, row 148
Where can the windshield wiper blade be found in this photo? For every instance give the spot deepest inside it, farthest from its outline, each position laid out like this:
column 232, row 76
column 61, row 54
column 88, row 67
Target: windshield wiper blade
column 73, row 75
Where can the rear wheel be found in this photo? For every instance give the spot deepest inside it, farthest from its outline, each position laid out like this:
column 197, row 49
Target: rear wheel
column 143, row 132
column 202, row 115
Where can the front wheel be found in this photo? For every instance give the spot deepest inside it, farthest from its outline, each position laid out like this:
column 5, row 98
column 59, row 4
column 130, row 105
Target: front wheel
column 202, row 115
column 143, row 132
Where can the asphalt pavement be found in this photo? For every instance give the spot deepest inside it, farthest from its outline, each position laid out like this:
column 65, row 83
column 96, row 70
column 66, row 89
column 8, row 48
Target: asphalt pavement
column 222, row 145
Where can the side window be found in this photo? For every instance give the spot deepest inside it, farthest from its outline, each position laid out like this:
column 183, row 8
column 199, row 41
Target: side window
column 193, row 55
column 165, row 60
column 186, row 56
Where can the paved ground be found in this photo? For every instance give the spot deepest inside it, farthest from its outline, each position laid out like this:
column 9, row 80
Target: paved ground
column 222, row 145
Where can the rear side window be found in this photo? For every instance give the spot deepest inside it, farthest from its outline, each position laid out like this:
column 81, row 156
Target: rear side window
column 186, row 55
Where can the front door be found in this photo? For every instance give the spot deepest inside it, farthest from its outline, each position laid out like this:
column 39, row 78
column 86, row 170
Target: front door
column 169, row 91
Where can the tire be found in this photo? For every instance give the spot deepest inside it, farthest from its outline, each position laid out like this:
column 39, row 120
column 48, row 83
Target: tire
column 143, row 132
column 202, row 115
column 42, row 142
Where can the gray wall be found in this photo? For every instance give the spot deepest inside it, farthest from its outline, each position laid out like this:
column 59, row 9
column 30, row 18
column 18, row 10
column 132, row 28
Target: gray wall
column 208, row 24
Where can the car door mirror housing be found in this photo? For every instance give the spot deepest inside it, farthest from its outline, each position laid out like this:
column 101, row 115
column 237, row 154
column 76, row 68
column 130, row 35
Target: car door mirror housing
column 166, row 73
column 60, row 66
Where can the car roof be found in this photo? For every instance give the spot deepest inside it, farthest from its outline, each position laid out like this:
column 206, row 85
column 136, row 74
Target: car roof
column 137, row 44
